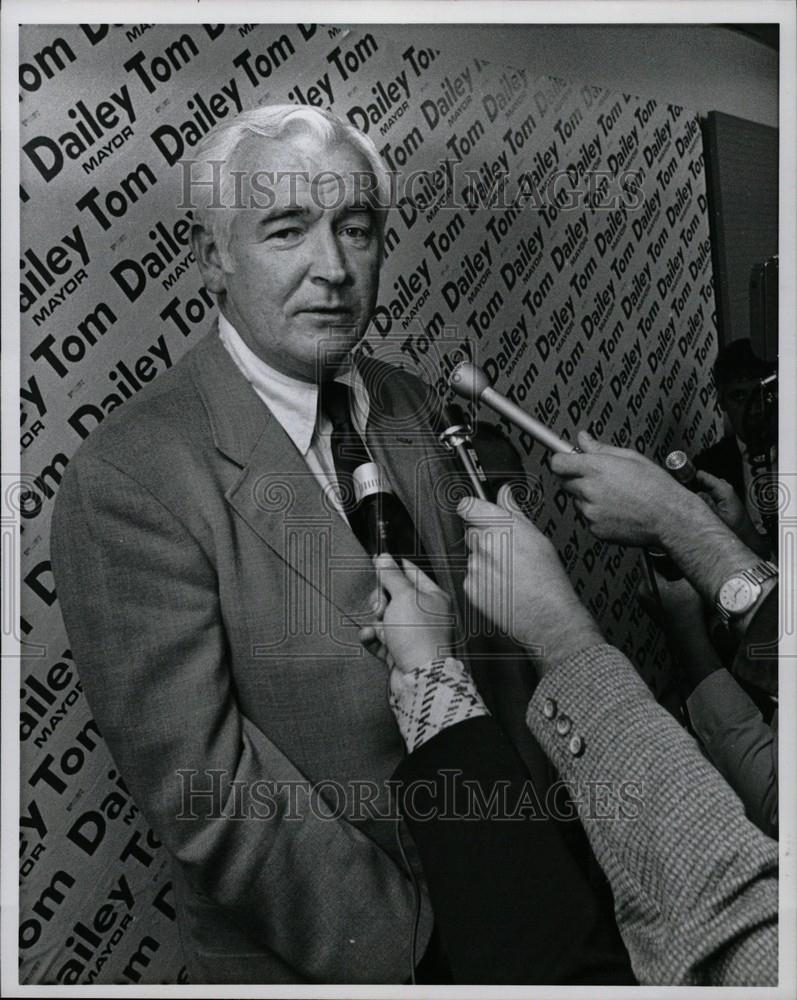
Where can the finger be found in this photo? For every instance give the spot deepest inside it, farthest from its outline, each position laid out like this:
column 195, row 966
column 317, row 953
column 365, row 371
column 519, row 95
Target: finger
column 471, row 539
column 391, row 576
column 475, row 511
column 578, row 489
column 377, row 602
column 480, row 540
column 590, row 446
column 372, row 634
column 568, row 465
column 380, row 651
column 717, row 488
column 418, row 579
column 370, row 640
column 506, row 499
column 579, row 504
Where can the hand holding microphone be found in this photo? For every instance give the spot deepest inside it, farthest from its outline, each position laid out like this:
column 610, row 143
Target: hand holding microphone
column 624, row 496
column 469, row 381
column 517, row 581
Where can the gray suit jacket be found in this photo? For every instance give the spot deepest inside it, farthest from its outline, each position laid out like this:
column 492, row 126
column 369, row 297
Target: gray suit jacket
column 695, row 883
column 212, row 600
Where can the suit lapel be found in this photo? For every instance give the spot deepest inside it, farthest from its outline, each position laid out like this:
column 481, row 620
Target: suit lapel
column 421, row 472
column 276, row 494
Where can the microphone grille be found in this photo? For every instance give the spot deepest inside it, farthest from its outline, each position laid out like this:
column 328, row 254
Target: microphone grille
column 468, row 380
column 679, row 464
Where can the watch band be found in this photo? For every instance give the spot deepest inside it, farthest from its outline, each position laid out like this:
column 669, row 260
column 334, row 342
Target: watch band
column 760, row 572
column 756, row 575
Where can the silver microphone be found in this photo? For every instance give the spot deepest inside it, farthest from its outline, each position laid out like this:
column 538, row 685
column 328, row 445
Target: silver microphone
column 469, row 381
column 458, row 439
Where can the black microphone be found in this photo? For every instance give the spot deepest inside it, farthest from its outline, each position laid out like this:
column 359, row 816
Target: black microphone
column 681, row 467
column 381, row 521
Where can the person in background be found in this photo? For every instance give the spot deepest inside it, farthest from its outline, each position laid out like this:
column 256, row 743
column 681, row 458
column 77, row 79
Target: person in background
column 739, row 737
column 735, row 458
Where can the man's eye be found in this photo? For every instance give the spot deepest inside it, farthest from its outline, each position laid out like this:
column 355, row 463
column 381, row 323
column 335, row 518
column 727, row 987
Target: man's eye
column 285, row 234
column 357, row 232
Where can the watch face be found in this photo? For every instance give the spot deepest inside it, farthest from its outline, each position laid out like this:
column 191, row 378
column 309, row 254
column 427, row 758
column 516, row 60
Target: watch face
column 736, row 595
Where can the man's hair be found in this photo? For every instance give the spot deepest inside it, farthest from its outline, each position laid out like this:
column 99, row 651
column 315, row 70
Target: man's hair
column 736, row 360
column 213, row 204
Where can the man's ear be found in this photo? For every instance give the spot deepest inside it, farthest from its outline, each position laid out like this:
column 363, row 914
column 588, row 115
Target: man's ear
column 208, row 258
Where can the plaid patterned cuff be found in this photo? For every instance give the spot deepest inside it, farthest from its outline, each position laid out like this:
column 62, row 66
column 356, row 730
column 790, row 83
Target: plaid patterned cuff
column 432, row 698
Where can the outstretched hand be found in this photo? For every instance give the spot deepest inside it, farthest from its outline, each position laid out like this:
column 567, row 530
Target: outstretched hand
column 623, row 496
column 516, row 580
column 730, row 509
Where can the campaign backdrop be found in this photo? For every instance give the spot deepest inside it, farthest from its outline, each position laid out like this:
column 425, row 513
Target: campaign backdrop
column 552, row 231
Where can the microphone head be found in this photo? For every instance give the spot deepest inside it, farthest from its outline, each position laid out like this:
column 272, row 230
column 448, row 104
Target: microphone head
column 370, row 478
column 680, row 466
column 468, row 380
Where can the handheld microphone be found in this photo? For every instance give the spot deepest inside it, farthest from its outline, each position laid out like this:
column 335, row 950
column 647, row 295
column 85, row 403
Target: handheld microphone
column 681, row 467
column 382, row 523
column 469, row 381
column 458, row 439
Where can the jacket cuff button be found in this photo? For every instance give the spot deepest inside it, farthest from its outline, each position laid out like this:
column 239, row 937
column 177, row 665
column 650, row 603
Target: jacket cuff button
column 563, row 725
column 576, row 746
column 549, row 708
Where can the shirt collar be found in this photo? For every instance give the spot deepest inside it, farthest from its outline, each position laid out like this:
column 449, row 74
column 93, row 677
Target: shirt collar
column 292, row 402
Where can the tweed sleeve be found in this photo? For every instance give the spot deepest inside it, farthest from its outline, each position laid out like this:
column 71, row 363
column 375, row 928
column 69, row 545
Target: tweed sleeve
column 695, row 883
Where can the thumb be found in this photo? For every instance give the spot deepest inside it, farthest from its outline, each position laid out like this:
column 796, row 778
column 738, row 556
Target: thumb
column 390, row 575
column 717, row 488
column 506, row 499
column 418, row 579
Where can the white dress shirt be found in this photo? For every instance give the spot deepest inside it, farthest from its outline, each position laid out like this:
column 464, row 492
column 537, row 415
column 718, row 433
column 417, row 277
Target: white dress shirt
column 295, row 405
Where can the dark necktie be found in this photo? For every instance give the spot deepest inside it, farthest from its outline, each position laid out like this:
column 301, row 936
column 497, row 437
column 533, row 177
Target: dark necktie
column 349, row 452
column 348, row 448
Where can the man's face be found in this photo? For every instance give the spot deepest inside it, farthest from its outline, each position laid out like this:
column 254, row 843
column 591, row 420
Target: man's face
column 739, row 397
column 306, row 268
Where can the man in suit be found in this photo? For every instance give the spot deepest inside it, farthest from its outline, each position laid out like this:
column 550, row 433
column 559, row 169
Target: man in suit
column 213, row 588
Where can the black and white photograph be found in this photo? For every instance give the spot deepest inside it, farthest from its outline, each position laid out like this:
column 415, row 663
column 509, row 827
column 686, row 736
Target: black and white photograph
column 398, row 499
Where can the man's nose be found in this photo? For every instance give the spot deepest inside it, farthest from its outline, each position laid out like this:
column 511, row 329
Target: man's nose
column 329, row 262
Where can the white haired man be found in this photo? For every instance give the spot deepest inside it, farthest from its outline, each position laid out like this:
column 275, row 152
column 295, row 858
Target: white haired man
column 218, row 643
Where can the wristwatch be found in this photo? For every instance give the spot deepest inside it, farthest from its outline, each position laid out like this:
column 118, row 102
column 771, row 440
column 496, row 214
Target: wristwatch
column 740, row 592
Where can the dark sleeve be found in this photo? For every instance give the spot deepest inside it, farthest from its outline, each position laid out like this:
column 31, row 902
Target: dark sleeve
column 742, row 747
column 756, row 660
column 723, row 460
column 510, row 903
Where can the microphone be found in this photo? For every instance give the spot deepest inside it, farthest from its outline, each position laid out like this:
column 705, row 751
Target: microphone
column 458, row 439
column 681, row 468
column 469, row 381
column 382, row 523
